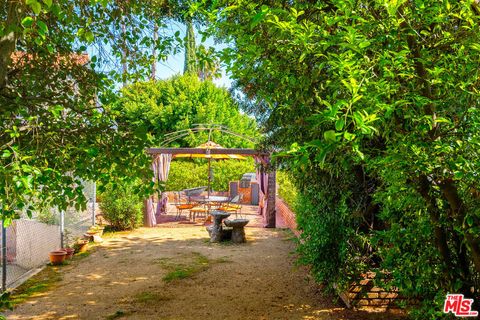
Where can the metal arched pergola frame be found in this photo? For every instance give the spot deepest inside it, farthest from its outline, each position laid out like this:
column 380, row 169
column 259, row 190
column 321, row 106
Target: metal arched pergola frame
column 266, row 177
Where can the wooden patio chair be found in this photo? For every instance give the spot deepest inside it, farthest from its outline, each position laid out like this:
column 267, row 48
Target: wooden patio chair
column 198, row 210
column 233, row 206
column 181, row 206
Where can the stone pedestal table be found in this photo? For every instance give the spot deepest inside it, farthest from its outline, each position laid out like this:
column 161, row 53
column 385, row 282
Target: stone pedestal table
column 238, row 232
column 215, row 230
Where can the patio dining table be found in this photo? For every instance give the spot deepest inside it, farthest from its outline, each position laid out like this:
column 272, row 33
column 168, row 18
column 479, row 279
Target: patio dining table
column 211, row 202
column 210, row 199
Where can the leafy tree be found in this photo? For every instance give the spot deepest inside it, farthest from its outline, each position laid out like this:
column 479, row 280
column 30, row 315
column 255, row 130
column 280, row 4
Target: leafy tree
column 53, row 127
column 376, row 106
column 155, row 108
column 208, row 64
column 287, row 189
column 199, row 60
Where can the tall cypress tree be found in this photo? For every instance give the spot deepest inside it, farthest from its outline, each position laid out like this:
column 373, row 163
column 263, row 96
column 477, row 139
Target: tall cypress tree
column 190, row 50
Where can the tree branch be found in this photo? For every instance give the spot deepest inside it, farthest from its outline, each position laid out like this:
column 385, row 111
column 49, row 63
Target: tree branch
column 9, row 39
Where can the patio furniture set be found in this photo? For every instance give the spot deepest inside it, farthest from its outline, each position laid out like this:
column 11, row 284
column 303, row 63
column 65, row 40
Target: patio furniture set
column 197, row 205
column 217, row 207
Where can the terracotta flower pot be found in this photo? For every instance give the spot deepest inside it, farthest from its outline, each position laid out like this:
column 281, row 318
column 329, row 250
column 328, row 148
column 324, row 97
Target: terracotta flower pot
column 57, row 257
column 100, row 230
column 69, row 252
column 81, row 246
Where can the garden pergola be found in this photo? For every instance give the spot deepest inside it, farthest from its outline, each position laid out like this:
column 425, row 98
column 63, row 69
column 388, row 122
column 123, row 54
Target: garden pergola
column 161, row 158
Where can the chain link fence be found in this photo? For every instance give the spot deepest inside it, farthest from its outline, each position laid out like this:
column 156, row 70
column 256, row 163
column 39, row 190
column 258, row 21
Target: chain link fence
column 26, row 242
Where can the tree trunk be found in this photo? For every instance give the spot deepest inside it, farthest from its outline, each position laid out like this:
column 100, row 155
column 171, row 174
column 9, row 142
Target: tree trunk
column 8, row 41
column 440, row 234
column 450, row 192
column 463, row 262
column 124, row 49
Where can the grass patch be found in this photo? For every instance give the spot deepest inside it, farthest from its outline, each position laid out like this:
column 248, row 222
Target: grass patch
column 222, row 260
column 194, row 264
column 36, row 285
column 288, row 235
column 82, row 255
column 200, row 259
column 223, row 243
column 147, row 297
column 111, row 233
column 116, row 315
column 180, row 273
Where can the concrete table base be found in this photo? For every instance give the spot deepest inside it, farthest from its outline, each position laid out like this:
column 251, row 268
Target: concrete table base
column 216, row 230
column 238, row 229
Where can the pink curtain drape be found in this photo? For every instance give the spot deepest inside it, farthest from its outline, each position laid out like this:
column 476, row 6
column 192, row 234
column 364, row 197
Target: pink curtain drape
column 149, row 216
column 262, row 178
column 162, row 164
column 160, row 168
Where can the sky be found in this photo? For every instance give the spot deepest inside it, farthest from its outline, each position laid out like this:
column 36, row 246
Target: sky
column 175, row 63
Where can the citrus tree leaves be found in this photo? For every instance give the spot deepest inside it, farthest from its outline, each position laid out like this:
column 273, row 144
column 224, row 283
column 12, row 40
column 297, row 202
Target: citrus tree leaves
column 385, row 92
column 35, row 6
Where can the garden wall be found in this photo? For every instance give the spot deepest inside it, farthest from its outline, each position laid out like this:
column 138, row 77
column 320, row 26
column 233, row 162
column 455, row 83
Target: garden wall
column 359, row 294
column 287, row 215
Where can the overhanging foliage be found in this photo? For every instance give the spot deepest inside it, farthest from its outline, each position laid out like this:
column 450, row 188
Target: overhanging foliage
column 376, row 106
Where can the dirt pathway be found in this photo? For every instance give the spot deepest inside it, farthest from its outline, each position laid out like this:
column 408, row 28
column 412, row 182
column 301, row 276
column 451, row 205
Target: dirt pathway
column 175, row 273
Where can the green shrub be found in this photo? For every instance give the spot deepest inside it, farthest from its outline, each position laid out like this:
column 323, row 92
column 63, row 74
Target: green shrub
column 186, row 174
column 48, row 216
column 286, row 189
column 121, row 207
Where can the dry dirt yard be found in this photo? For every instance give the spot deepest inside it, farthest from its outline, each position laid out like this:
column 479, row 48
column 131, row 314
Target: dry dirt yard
column 175, row 273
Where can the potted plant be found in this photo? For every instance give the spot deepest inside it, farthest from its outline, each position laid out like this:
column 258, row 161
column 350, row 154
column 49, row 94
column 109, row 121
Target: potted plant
column 57, row 257
column 95, row 230
column 100, row 229
column 81, row 245
column 91, row 232
column 70, row 252
column 68, row 241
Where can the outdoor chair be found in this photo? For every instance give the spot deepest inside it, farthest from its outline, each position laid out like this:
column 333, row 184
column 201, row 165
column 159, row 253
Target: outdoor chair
column 198, row 210
column 181, row 206
column 233, row 206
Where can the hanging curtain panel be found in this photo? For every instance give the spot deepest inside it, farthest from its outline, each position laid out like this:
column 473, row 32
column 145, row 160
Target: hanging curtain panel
column 148, row 207
column 162, row 164
column 160, row 168
column 262, row 178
